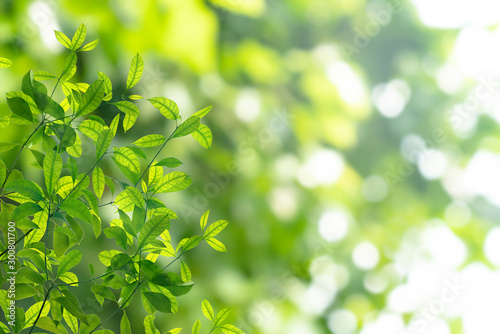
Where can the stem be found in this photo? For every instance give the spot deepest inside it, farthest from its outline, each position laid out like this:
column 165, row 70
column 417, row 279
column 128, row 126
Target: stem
column 57, row 207
column 41, row 309
column 156, row 155
column 19, row 153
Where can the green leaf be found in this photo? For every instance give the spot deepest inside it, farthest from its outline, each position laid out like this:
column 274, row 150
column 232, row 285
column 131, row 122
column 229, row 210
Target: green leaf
column 69, row 261
column 207, row 310
column 20, row 107
column 175, row 181
column 60, row 242
column 196, row 327
column 90, row 46
column 91, row 129
column 76, row 209
column 125, row 325
column 230, row 329
column 150, row 141
column 204, row 219
column 79, row 37
column 72, row 167
column 203, row 135
column 185, row 272
column 135, row 97
column 98, row 181
column 202, row 113
column 63, row 39
column 49, row 325
column 93, row 322
column 126, row 157
column 117, row 233
column 33, row 311
column 187, row 127
column 215, row 229
column 70, row 303
column 101, row 290
column 221, row 316
column 47, row 105
column 169, row 162
column 24, row 187
column 4, row 146
column 24, row 210
column 108, row 87
column 103, row 141
column 92, row 98
column 71, row 320
column 189, row 243
column 128, row 108
column 5, row 63
column 135, row 73
column 106, row 256
column 149, row 325
column 69, row 69
column 159, row 302
column 168, row 108
column 52, row 167
column 3, row 172
column 152, row 229
column 43, row 75
column 65, row 133
column 76, row 149
column 217, row 245
column 128, row 122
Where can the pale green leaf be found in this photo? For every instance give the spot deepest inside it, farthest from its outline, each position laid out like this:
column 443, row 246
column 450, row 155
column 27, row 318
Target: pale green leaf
column 215, row 229
column 168, row 108
column 90, row 46
column 152, row 229
column 70, row 260
column 5, row 63
column 79, row 37
column 98, row 181
column 127, row 158
column 150, row 141
column 203, row 135
column 52, row 167
column 217, row 245
column 63, row 39
column 187, row 127
column 135, row 73
column 175, row 181
column 204, row 219
column 207, row 310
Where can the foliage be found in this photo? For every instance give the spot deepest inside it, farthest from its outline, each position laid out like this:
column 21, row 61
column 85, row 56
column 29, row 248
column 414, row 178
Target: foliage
column 49, row 218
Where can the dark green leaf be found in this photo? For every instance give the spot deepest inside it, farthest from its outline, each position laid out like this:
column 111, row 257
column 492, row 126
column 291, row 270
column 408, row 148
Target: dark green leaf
column 20, row 108
column 26, row 188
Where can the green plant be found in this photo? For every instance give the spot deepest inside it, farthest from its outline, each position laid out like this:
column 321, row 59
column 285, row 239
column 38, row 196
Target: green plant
column 47, row 219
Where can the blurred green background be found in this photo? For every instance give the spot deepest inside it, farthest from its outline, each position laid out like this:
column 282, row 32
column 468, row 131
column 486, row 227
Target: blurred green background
column 355, row 151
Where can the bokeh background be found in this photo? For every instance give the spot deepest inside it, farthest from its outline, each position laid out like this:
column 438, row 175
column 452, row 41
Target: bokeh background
column 355, row 151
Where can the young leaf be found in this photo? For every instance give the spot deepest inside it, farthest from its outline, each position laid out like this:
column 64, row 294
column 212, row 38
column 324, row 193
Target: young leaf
column 91, row 129
column 169, row 162
column 207, row 310
column 221, row 316
column 79, row 37
column 33, row 311
column 196, row 327
column 187, row 127
column 217, row 245
column 69, row 67
column 63, row 39
column 90, row 46
column 200, row 114
column 159, row 302
column 203, row 135
column 71, row 320
column 175, row 181
column 185, row 272
column 20, row 107
column 128, row 108
column 126, row 157
column 69, row 261
column 230, row 329
column 168, row 108
column 135, row 97
column 108, row 87
column 125, row 325
column 204, row 219
column 42, row 75
column 92, row 98
column 98, row 181
column 150, row 141
column 5, row 63
column 52, row 167
column 128, row 122
column 135, row 73
column 103, row 141
column 152, row 229
column 26, row 188
column 215, row 229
